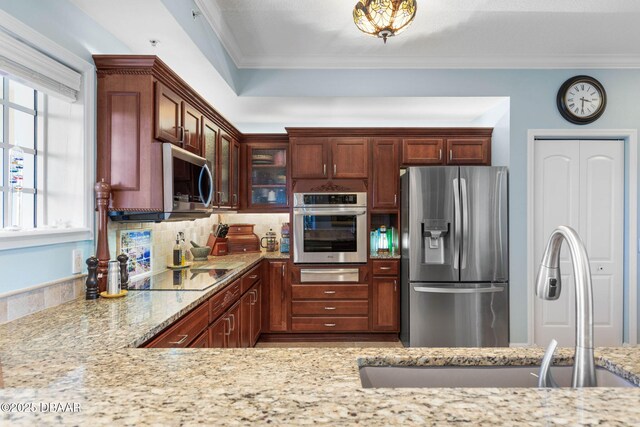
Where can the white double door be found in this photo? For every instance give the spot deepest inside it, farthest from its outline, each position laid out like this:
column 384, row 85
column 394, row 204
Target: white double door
column 580, row 183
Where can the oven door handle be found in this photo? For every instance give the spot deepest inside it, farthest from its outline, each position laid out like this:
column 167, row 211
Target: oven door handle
column 357, row 212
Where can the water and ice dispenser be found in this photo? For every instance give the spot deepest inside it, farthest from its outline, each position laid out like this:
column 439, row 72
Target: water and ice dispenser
column 433, row 233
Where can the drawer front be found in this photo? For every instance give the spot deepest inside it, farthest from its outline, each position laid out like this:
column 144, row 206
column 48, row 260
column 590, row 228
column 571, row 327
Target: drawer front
column 385, row 268
column 330, row 291
column 250, row 279
column 223, row 300
column 330, row 307
column 185, row 330
column 329, row 324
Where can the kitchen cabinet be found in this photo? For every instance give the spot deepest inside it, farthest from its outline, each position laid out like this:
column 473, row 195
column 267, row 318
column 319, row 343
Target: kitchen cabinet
column 385, row 296
column 250, row 325
column 329, row 158
column 446, row 151
column 385, row 172
column 140, row 104
column 278, row 303
column 224, row 171
column 202, row 341
column 218, row 333
column 233, row 333
column 235, row 175
column 168, row 115
column 184, row 331
column 469, row 151
column 267, row 176
column 192, row 123
column 210, row 152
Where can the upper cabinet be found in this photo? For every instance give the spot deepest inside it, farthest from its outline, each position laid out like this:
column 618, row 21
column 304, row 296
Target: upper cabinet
column 318, row 158
column 455, row 150
column 143, row 103
column 267, row 171
column 385, row 173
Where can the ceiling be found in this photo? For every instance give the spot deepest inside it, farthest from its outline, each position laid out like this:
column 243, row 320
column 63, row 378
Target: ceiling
column 272, row 114
column 444, row 34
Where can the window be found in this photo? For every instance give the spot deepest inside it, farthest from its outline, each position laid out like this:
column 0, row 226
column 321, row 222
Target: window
column 47, row 108
column 19, row 128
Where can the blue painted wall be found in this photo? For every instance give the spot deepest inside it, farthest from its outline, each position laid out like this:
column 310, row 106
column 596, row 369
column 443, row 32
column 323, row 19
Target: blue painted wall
column 71, row 28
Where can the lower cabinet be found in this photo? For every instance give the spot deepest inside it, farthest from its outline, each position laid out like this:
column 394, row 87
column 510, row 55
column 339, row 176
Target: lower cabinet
column 385, row 296
column 229, row 319
column 278, row 304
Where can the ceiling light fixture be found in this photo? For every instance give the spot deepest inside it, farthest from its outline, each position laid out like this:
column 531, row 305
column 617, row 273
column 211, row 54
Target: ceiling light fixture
column 383, row 18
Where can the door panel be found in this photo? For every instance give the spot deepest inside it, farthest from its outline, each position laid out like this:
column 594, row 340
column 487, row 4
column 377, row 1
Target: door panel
column 484, row 243
column 224, row 195
column 349, row 157
column 209, row 148
column 192, row 127
column 431, row 204
column 581, row 184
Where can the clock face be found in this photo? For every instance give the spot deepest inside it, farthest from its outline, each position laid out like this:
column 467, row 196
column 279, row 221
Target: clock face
column 581, row 100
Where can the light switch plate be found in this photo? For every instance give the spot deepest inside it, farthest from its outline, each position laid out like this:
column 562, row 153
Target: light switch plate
column 76, row 258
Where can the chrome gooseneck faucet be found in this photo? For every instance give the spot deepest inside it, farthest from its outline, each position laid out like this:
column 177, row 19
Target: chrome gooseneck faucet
column 548, row 286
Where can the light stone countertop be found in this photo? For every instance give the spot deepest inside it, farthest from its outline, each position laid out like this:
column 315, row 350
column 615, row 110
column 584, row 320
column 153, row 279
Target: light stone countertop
column 82, row 352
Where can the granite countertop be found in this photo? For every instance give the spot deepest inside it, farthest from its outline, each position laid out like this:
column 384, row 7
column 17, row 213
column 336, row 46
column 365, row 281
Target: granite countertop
column 387, row 255
column 83, row 353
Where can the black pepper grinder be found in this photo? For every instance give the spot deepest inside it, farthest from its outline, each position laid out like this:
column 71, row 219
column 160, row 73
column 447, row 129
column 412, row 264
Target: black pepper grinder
column 92, row 278
column 124, row 271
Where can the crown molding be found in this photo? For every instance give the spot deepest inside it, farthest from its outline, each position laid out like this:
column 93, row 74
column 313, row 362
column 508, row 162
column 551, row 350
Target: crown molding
column 441, row 62
column 213, row 15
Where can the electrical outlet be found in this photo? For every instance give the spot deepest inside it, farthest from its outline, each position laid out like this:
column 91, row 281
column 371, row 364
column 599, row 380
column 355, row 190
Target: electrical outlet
column 76, row 258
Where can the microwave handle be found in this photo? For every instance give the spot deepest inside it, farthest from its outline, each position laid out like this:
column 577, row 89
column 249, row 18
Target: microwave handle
column 205, row 167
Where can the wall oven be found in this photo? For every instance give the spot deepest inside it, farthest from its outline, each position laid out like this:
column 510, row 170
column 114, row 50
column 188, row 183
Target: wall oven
column 329, row 227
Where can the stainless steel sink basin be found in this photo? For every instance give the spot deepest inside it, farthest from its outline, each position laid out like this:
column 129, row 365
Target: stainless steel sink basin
column 474, row 376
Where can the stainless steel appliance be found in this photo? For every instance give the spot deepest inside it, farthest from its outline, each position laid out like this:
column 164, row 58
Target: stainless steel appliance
column 187, row 188
column 454, row 266
column 329, row 227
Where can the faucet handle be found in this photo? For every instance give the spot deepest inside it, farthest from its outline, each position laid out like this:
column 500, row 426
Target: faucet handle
column 545, row 379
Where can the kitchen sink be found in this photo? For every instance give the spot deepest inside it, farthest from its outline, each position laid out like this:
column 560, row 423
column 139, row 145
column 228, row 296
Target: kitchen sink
column 474, row 376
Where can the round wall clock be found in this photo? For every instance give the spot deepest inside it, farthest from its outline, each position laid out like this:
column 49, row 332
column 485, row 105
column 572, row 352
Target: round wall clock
column 581, row 100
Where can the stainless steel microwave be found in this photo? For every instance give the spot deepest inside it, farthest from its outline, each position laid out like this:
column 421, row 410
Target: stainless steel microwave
column 187, row 185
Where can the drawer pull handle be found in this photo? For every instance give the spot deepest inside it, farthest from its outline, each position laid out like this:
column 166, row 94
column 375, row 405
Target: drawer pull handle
column 329, row 292
column 329, row 308
column 330, row 325
column 385, row 268
column 255, row 276
column 182, row 340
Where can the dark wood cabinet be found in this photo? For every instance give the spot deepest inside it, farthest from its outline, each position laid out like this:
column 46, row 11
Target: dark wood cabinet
column 142, row 103
column 256, row 314
column 235, row 175
column 349, row 157
column 202, row 341
column 267, row 176
column 210, row 152
column 386, row 174
column 469, row 151
column 317, row 158
column 218, row 333
column 245, row 319
column 278, row 304
column 192, row 123
column 184, row 331
column 462, row 150
column 422, row 151
column 168, row 115
column 386, row 303
column 235, row 320
column 224, row 170
column 385, row 296
column 309, row 158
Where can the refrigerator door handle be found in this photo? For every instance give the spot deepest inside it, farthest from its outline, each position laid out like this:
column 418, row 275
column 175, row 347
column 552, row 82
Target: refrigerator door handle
column 465, row 222
column 457, row 225
column 439, row 290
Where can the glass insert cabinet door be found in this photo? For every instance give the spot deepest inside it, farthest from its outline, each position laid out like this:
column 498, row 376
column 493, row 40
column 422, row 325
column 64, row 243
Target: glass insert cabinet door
column 268, row 177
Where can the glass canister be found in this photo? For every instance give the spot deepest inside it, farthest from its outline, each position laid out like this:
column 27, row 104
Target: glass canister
column 271, row 241
column 284, row 239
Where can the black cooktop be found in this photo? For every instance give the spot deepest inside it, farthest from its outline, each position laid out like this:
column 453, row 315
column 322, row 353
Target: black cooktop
column 187, row 279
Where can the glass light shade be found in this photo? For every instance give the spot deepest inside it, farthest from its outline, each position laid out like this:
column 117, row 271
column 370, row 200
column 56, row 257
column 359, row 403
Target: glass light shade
column 384, row 18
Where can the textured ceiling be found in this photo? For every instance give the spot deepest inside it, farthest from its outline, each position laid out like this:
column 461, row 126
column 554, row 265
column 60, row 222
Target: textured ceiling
column 445, row 33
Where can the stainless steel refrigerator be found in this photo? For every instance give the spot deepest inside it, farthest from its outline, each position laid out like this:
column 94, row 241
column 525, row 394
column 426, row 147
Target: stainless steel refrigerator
column 454, row 266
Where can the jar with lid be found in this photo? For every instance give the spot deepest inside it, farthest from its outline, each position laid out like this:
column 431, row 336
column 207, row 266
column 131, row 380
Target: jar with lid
column 284, row 239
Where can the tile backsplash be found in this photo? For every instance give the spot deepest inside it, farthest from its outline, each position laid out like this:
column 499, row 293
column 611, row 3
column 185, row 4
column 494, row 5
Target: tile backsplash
column 32, row 300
